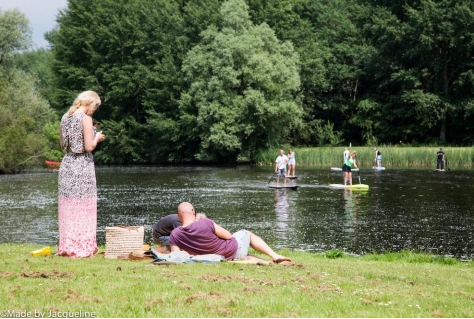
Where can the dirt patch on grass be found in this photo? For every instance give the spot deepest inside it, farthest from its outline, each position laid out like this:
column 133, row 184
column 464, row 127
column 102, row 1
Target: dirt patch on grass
column 252, row 290
column 74, row 296
column 52, row 275
column 196, row 296
column 202, row 295
column 217, row 278
column 6, row 274
column 153, row 303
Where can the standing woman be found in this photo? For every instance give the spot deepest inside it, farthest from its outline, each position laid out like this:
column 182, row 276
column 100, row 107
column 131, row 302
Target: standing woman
column 346, row 168
column 291, row 162
column 77, row 191
column 378, row 157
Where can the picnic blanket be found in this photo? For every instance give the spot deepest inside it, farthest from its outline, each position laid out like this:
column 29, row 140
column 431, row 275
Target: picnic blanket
column 180, row 257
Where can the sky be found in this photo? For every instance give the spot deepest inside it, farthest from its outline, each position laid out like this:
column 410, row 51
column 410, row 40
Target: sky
column 40, row 13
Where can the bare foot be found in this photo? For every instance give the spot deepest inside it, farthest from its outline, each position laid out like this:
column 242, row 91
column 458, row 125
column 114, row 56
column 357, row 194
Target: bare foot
column 282, row 259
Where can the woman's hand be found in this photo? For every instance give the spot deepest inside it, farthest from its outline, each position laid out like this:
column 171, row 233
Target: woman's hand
column 99, row 136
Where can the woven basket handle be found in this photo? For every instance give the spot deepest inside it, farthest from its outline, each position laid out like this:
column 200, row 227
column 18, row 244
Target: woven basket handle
column 129, row 227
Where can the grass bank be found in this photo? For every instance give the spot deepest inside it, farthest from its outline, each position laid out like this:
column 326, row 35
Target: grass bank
column 409, row 157
column 318, row 285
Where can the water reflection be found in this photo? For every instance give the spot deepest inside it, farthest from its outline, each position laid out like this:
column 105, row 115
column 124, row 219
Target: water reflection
column 285, row 211
column 281, row 209
column 350, row 213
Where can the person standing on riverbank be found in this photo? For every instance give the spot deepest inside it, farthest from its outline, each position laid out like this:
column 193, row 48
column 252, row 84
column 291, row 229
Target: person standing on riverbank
column 440, row 159
column 378, row 157
column 291, row 163
column 347, row 167
column 280, row 167
column 77, row 190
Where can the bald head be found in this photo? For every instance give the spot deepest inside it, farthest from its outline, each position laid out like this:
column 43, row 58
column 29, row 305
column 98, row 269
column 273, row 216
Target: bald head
column 186, row 213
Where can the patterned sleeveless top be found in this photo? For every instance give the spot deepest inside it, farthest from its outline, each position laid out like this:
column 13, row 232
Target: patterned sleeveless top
column 72, row 132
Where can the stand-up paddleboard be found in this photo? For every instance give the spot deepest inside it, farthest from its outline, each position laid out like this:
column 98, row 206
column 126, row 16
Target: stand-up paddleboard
column 292, row 177
column 353, row 186
column 339, row 169
column 284, row 187
column 378, row 168
column 439, row 170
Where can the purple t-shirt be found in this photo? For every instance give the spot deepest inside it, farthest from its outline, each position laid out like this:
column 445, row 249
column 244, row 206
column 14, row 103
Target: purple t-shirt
column 199, row 238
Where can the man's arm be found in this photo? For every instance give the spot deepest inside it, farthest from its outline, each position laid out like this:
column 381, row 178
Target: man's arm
column 174, row 248
column 221, row 232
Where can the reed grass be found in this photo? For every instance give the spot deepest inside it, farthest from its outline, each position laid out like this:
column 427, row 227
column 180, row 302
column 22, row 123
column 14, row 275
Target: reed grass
column 330, row 284
column 393, row 156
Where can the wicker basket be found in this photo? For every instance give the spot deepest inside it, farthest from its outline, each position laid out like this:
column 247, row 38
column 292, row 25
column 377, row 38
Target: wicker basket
column 121, row 240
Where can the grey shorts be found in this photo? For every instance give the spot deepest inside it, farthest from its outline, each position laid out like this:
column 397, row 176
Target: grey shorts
column 281, row 172
column 243, row 242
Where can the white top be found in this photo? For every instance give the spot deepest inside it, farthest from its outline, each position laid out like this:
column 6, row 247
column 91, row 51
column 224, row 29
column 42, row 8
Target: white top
column 281, row 160
column 346, row 155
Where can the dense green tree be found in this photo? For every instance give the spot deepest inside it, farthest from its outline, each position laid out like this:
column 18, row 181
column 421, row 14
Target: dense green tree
column 23, row 112
column 328, row 37
column 423, row 71
column 38, row 63
column 15, row 33
column 23, row 115
column 243, row 91
column 130, row 52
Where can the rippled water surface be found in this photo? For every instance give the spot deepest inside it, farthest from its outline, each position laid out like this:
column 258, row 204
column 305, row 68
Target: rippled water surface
column 403, row 209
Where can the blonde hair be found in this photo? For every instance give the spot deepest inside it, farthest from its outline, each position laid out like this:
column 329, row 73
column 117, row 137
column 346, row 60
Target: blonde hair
column 88, row 99
column 200, row 216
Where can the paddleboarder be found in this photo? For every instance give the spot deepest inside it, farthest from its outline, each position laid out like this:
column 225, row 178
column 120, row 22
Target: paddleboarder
column 280, row 167
column 291, row 163
column 346, row 168
column 440, row 160
column 346, row 154
column 378, row 157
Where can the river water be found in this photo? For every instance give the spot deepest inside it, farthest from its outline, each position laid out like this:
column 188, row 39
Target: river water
column 420, row 210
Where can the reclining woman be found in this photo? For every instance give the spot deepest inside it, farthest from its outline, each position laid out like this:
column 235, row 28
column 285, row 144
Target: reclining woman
column 163, row 228
column 206, row 237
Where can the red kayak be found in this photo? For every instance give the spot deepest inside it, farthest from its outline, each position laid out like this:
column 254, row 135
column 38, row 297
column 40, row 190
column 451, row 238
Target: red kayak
column 52, row 164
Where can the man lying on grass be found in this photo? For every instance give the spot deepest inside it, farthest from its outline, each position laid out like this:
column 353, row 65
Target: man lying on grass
column 206, row 237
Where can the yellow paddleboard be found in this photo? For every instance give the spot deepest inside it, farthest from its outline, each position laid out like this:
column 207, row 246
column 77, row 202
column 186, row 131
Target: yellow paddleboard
column 353, row 186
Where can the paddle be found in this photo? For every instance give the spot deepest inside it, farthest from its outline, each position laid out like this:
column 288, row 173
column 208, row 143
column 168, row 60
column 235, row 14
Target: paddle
column 271, row 178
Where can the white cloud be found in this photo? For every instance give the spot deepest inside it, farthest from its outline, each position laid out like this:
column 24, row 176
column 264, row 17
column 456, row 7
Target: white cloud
column 40, row 13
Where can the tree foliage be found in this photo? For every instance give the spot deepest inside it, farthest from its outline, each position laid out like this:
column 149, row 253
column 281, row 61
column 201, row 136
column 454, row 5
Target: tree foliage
column 23, row 115
column 216, row 81
column 243, row 91
column 15, row 33
column 23, row 112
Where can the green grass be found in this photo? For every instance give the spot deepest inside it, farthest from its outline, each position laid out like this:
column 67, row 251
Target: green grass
column 330, row 284
column 395, row 156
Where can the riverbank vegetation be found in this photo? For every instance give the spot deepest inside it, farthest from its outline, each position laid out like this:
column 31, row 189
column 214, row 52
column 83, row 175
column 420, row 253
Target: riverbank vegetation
column 332, row 284
column 221, row 81
column 393, row 156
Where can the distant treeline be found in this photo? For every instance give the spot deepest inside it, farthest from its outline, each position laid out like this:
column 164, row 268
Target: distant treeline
column 223, row 81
